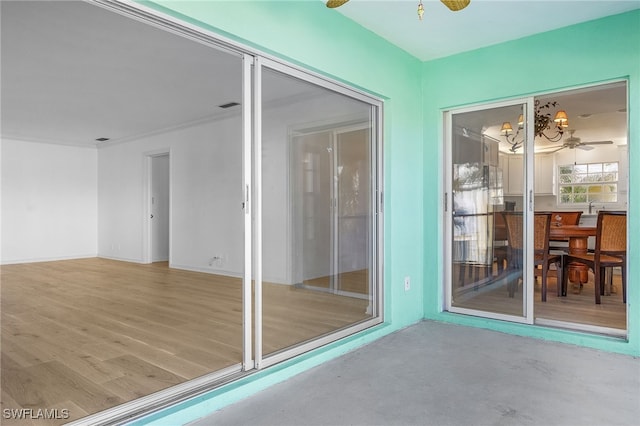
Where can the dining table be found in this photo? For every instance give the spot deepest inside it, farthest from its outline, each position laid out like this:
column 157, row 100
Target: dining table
column 578, row 244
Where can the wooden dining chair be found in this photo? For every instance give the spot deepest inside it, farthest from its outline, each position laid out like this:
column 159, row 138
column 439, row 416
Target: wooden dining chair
column 560, row 219
column 541, row 256
column 610, row 252
column 499, row 241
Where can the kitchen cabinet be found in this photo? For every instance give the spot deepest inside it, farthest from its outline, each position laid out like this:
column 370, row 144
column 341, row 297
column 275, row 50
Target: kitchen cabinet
column 545, row 174
column 512, row 166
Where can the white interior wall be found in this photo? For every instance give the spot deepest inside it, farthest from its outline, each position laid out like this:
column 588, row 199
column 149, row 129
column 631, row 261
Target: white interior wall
column 327, row 111
column 601, row 153
column 49, row 201
column 206, row 197
column 66, row 202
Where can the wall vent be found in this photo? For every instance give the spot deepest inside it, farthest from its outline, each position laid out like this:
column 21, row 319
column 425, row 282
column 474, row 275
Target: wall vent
column 228, row 105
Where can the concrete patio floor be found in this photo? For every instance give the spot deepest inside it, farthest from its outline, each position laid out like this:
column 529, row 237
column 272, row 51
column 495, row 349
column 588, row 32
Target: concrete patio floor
column 441, row 374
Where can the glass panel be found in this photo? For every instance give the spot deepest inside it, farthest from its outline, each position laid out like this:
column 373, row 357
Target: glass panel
column 588, row 182
column 317, row 211
column 120, row 259
column 595, row 168
column 486, row 269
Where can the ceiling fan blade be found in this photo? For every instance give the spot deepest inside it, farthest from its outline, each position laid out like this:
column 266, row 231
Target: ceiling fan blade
column 598, row 143
column 332, row 4
column 455, row 5
column 584, row 147
column 550, row 149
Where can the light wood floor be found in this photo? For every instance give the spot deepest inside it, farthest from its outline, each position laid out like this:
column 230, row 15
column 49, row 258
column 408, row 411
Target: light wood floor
column 89, row 334
column 578, row 306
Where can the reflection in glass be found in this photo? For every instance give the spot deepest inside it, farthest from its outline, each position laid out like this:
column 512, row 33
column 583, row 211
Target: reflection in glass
column 486, row 273
column 317, row 211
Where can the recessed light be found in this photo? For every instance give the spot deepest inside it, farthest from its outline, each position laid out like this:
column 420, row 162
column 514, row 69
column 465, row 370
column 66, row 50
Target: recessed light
column 102, row 139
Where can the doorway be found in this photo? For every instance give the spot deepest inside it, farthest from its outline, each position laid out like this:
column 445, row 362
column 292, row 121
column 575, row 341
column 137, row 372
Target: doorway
column 159, row 206
column 478, row 284
column 330, row 197
column 500, row 168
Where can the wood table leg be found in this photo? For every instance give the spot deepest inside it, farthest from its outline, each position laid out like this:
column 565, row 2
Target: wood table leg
column 578, row 272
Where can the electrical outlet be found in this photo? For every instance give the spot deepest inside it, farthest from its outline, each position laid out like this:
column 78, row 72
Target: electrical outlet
column 407, row 283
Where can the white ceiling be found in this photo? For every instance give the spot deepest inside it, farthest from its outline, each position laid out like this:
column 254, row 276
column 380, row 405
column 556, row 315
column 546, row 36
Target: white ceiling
column 482, row 23
column 73, row 72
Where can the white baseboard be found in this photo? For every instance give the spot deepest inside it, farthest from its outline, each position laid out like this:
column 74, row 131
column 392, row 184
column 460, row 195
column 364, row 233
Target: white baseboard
column 121, row 259
column 46, row 259
column 206, row 270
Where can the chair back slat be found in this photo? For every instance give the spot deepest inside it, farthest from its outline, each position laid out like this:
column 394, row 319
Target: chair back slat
column 612, row 232
column 541, row 229
column 513, row 220
column 541, row 223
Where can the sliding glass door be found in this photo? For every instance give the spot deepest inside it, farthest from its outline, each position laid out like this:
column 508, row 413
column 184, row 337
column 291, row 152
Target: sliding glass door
column 486, row 237
column 316, row 162
column 269, row 179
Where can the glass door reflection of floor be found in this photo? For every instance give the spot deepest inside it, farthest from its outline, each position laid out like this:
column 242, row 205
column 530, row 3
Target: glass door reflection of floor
column 577, row 307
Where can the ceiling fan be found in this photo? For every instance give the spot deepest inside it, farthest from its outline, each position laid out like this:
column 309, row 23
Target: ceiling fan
column 453, row 5
column 573, row 142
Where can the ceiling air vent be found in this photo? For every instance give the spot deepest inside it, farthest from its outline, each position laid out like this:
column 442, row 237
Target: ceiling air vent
column 229, row 105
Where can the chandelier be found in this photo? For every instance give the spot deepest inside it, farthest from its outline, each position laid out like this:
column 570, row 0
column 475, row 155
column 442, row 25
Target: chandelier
column 544, row 127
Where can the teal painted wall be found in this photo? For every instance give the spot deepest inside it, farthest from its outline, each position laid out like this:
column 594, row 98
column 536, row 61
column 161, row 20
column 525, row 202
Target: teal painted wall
column 578, row 55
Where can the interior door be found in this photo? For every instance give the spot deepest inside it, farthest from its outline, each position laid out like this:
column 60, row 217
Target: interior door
column 351, row 218
column 487, row 256
column 160, row 203
column 312, row 194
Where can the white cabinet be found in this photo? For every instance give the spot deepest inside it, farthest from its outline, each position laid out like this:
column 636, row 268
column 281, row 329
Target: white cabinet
column 545, row 174
column 512, row 166
column 512, row 180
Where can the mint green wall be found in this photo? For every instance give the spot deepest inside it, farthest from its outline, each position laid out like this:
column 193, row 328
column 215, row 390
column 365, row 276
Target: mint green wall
column 583, row 54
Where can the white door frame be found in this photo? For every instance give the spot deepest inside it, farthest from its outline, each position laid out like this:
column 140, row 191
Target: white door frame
column 147, row 248
column 527, row 201
column 153, row 207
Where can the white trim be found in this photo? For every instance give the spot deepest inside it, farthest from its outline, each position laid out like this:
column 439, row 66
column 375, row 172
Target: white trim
column 528, row 217
column 447, row 216
column 52, row 259
column 210, row 271
column 527, row 293
column 163, row 21
column 377, row 278
column 257, row 208
column 147, row 168
column 318, row 80
column 248, row 362
column 142, row 406
column 575, row 326
column 315, row 343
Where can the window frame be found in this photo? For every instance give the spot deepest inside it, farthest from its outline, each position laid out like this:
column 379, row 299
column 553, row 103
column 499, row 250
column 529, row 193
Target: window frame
column 587, row 183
